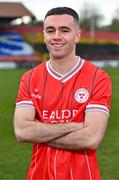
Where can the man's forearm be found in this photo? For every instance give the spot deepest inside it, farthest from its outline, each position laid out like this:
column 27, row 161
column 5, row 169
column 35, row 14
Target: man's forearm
column 76, row 140
column 37, row 132
column 88, row 137
column 45, row 132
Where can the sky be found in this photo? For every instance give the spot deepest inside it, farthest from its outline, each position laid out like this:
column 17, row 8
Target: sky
column 107, row 8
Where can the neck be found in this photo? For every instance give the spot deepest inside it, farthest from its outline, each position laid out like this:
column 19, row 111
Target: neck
column 64, row 65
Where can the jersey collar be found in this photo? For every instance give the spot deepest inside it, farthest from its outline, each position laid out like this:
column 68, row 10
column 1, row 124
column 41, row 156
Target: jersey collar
column 68, row 75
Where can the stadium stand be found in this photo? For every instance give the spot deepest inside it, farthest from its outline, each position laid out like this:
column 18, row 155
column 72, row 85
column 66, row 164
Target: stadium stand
column 13, row 46
column 24, row 44
column 10, row 11
column 103, row 50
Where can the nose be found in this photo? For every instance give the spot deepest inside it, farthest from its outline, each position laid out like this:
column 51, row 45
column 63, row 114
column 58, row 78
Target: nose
column 57, row 35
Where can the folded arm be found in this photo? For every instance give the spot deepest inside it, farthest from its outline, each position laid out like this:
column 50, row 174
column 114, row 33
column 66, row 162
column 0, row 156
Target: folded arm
column 29, row 130
column 88, row 137
column 69, row 136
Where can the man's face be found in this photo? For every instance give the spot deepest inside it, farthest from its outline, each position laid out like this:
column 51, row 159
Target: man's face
column 61, row 33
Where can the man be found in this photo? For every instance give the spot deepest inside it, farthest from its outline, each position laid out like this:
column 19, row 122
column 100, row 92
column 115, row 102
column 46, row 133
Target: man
column 63, row 105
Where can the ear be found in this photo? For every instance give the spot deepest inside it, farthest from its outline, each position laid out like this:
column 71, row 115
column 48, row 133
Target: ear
column 78, row 36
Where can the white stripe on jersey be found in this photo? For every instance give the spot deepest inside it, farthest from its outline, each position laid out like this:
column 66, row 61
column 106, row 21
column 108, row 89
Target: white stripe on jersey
column 71, row 172
column 73, row 71
column 48, row 155
column 35, row 162
column 68, row 75
column 89, row 169
column 97, row 107
column 55, row 162
column 25, row 104
column 51, row 71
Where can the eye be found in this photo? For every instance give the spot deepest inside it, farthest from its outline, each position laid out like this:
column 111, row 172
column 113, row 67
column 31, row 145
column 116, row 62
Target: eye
column 65, row 30
column 49, row 30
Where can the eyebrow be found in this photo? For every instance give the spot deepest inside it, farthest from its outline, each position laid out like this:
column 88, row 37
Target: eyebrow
column 65, row 27
column 62, row 27
column 49, row 27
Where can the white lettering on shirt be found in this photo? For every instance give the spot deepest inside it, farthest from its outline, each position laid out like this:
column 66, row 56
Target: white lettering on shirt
column 58, row 115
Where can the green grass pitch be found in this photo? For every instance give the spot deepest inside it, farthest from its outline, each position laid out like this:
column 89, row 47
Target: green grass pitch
column 15, row 157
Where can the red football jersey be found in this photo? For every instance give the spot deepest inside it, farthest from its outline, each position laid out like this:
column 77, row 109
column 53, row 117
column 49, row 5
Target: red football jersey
column 64, row 98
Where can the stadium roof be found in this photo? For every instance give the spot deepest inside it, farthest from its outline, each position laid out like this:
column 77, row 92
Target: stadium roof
column 13, row 10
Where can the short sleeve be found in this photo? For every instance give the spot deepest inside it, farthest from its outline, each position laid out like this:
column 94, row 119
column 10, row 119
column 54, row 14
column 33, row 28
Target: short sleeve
column 24, row 99
column 101, row 94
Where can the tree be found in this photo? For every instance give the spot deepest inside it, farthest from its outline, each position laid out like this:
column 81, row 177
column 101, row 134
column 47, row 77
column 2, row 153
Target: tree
column 90, row 18
column 114, row 25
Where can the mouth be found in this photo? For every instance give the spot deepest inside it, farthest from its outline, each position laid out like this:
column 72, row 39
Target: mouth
column 57, row 45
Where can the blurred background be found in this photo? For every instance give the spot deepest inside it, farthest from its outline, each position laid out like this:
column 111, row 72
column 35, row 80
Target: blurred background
column 21, row 27
column 22, row 47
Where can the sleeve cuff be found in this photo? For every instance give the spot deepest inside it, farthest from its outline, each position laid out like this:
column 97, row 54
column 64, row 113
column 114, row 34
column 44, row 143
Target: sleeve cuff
column 25, row 103
column 97, row 107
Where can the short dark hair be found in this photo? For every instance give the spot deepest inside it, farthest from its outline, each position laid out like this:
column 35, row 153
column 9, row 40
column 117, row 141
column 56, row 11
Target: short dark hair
column 63, row 10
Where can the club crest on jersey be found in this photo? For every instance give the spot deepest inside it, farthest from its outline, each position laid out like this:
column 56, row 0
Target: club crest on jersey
column 81, row 95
